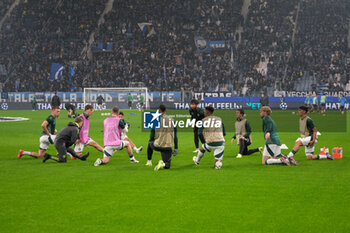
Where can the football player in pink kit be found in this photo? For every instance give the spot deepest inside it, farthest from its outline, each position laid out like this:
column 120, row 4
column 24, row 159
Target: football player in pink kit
column 84, row 138
column 112, row 138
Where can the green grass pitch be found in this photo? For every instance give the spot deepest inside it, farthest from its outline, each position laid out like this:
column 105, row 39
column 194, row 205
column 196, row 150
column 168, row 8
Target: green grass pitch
column 244, row 196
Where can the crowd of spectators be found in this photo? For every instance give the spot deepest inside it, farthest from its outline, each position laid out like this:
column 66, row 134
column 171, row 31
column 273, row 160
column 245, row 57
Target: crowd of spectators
column 321, row 47
column 4, row 6
column 38, row 33
column 266, row 43
column 165, row 56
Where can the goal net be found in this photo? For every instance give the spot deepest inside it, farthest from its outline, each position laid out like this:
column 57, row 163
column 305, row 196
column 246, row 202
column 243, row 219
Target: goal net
column 117, row 96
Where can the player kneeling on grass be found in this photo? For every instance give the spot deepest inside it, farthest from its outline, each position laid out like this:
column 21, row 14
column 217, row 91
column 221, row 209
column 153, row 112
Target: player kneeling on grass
column 125, row 137
column 112, row 138
column 47, row 136
column 308, row 138
column 84, row 139
column 64, row 140
column 243, row 135
column 212, row 133
column 163, row 140
column 272, row 150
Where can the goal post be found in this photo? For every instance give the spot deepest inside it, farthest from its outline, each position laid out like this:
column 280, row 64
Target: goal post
column 116, row 96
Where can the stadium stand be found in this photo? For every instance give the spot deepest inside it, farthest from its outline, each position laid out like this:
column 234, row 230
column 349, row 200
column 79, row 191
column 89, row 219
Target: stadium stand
column 272, row 46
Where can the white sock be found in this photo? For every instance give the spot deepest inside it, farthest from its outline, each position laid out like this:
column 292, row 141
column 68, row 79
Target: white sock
column 149, row 161
column 290, row 154
column 199, row 156
column 273, row 161
column 322, row 157
column 27, row 152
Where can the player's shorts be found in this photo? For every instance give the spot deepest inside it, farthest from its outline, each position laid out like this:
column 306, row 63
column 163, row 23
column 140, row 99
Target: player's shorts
column 272, row 150
column 99, row 103
column 129, row 103
column 315, row 105
column 323, row 104
column 218, row 150
column 309, row 150
column 108, row 151
column 141, row 104
column 44, row 141
column 342, row 108
column 80, row 146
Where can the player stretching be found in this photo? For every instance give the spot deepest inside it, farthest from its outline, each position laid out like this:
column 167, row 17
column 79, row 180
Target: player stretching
column 47, row 136
column 112, row 138
column 163, row 140
column 197, row 114
column 342, row 101
column 84, row 139
column 64, row 140
column 243, row 135
column 213, row 137
column 308, row 138
column 272, row 150
column 125, row 137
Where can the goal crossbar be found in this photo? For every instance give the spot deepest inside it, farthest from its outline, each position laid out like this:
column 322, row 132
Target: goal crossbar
column 101, row 90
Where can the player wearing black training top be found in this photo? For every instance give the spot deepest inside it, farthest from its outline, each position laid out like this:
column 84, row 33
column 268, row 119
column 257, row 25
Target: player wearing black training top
column 64, row 140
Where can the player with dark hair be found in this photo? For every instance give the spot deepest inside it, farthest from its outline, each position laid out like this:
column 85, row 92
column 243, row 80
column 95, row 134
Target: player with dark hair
column 84, row 139
column 47, row 136
column 112, row 138
column 308, row 138
column 243, row 135
column 197, row 114
column 163, row 140
column 213, row 137
column 64, row 140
